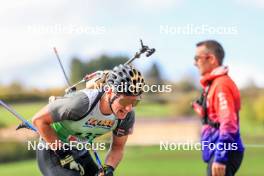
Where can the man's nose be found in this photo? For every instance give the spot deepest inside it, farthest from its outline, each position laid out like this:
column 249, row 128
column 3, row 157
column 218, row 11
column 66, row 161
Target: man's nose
column 128, row 108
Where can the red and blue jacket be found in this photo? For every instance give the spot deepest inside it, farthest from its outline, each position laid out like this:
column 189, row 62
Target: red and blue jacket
column 222, row 107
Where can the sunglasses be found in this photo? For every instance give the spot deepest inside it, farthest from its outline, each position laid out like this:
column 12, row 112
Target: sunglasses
column 125, row 102
column 196, row 58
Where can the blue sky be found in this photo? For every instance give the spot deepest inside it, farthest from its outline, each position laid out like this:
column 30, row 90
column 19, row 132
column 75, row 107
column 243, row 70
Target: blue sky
column 29, row 29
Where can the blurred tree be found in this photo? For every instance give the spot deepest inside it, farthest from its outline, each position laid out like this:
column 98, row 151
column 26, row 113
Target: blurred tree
column 16, row 87
column 259, row 108
column 182, row 105
column 77, row 70
column 188, row 82
column 247, row 110
column 104, row 62
column 186, row 85
column 153, row 75
column 248, row 97
column 80, row 69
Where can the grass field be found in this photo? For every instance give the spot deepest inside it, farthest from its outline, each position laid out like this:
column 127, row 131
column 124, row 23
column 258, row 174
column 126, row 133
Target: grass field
column 27, row 110
column 150, row 161
column 147, row 161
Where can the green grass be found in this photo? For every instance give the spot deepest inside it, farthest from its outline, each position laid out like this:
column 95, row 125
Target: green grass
column 150, row 161
column 146, row 110
column 27, row 110
column 152, row 110
column 153, row 162
column 251, row 128
column 22, row 168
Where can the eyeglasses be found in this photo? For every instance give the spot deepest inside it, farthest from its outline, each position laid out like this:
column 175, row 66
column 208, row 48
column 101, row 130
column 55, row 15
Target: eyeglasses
column 197, row 58
column 125, row 102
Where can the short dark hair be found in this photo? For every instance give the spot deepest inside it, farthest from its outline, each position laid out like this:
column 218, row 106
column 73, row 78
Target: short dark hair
column 215, row 48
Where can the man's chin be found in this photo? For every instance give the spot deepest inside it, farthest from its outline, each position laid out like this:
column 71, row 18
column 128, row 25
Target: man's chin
column 201, row 72
column 121, row 115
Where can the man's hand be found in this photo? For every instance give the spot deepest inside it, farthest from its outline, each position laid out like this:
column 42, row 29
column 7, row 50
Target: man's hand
column 218, row 169
column 108, row 171
column 67, row 161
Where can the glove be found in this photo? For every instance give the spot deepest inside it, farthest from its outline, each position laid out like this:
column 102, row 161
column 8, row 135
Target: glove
column 107, row 171
column 67, row 161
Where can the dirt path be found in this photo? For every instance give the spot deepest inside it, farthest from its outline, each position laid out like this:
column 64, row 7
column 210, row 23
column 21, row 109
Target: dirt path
column 146, row 131
column 154, row 131
column 11, row 134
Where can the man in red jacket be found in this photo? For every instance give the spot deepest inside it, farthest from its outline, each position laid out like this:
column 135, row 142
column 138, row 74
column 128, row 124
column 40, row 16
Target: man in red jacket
column 218, row 107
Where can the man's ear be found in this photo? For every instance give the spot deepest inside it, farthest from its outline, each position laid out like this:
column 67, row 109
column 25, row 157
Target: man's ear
column 213, row 60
